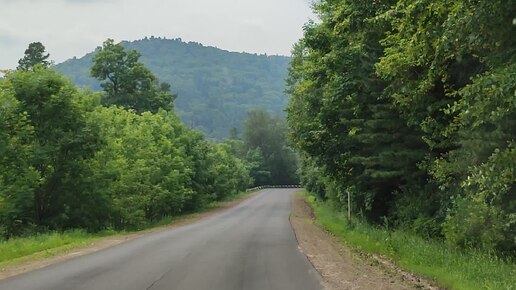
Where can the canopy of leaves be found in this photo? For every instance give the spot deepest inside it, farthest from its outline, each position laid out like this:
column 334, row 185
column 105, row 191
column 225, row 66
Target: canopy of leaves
column 127, row 82
column 410, row 107
column 264, row 140
column 68, row 162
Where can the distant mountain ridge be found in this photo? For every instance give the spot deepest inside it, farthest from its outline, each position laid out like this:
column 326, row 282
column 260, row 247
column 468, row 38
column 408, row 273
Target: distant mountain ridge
column 215, row 87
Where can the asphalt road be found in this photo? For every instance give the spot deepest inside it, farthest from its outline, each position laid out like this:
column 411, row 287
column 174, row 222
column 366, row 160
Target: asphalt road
column 251, row 246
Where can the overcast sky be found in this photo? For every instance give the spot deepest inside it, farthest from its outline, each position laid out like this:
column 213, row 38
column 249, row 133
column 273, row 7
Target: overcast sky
column 71, row 28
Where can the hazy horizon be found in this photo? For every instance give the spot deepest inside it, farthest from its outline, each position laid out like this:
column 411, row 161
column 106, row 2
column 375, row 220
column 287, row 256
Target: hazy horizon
column 73, row 28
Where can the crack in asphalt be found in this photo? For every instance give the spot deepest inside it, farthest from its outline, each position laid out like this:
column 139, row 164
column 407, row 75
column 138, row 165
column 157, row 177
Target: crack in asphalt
column 159, row 279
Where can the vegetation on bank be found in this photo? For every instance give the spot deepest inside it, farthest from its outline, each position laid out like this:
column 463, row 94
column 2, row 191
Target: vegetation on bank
column 122, row 160
column 410, row 107
column 449, row 267
column 19, row 250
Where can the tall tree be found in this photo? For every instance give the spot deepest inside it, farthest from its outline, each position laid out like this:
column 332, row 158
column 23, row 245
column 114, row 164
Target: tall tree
column 35, row 54
column 127, row 82
column 338, row 115
column 410, row 106
column 18, row 178
column 265, row 140
column 451, row 69
column 52, row 141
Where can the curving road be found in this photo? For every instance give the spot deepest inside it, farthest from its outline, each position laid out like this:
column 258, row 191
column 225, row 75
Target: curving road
column 251, row 246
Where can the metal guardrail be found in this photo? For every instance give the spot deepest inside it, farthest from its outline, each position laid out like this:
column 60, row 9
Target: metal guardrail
column 274, row 186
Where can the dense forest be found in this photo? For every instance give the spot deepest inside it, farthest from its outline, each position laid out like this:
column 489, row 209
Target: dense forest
column 409, row 107
column 215, row 88
column 120, row 158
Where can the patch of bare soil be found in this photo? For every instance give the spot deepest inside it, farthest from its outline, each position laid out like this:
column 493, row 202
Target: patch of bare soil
column 26, row 266
column 340, row 267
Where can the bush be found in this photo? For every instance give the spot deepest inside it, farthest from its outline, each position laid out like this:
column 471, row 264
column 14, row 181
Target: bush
column 474, row 224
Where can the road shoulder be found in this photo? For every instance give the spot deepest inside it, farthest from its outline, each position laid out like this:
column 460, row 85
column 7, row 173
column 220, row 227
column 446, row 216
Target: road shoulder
column 340, row 267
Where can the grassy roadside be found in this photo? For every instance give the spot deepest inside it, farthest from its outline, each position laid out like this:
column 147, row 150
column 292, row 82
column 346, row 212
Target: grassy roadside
column 449, row 267
column 20, row 250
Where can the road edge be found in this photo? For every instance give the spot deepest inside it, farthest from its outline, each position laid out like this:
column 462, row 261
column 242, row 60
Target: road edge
column 42, row 259
column 382, row 264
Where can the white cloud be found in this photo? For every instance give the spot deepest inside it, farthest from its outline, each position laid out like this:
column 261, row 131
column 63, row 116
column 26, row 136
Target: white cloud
column 74, row 27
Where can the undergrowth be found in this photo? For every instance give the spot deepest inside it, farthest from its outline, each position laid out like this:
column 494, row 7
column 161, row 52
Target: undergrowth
column 449, row 267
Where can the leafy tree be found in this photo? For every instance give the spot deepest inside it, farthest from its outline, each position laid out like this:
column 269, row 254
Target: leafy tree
column 265, row 140
column 451, row 65
column 409, row 105
column 68, row 162
column 229, row 174
column 35, row 54
column 258, row 169
column 18, row 179
column 337, row 112
column 151, row 166
column 141, row 165
column 50, row 165
column 127, row 82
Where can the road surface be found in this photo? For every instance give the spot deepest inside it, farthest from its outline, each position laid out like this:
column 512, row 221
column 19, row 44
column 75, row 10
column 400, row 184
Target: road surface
column 251, row 246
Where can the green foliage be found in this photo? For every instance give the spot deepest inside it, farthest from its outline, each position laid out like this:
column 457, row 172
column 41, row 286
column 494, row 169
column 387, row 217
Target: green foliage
column 258, row 168
column 410, row 106
column 140, row 165
column 449, row 267
column 55, row 141
column 338, row 115
column 43, row 245
column 215, row 87
column 474, row 224
column 35, row 54
column 127, row 82
column 152, row 166
column 230, row 174
column 68, row 162
column 272, row 161
column 18, row 178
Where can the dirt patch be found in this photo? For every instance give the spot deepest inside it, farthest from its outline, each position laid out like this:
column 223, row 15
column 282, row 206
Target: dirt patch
column 340, row 267
column 102, row 243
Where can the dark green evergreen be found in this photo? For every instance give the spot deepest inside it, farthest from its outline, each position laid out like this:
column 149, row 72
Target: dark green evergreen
column 35, row 54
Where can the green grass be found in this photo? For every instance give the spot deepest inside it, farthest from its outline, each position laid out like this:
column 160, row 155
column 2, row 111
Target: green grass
column 449, row 267
column 18, row 250
column 40, row 246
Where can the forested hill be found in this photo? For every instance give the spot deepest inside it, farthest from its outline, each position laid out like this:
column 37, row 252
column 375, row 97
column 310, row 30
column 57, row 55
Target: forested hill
column 215, row 87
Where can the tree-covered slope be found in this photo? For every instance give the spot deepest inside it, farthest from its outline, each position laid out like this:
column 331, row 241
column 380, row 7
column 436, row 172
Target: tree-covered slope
column 215, row 87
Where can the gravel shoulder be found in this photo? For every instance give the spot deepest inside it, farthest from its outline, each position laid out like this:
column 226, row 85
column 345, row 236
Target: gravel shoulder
column 340, row 267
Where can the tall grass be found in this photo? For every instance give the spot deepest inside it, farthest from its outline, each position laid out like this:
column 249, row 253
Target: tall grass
column 44, row 245
column 449, row 267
